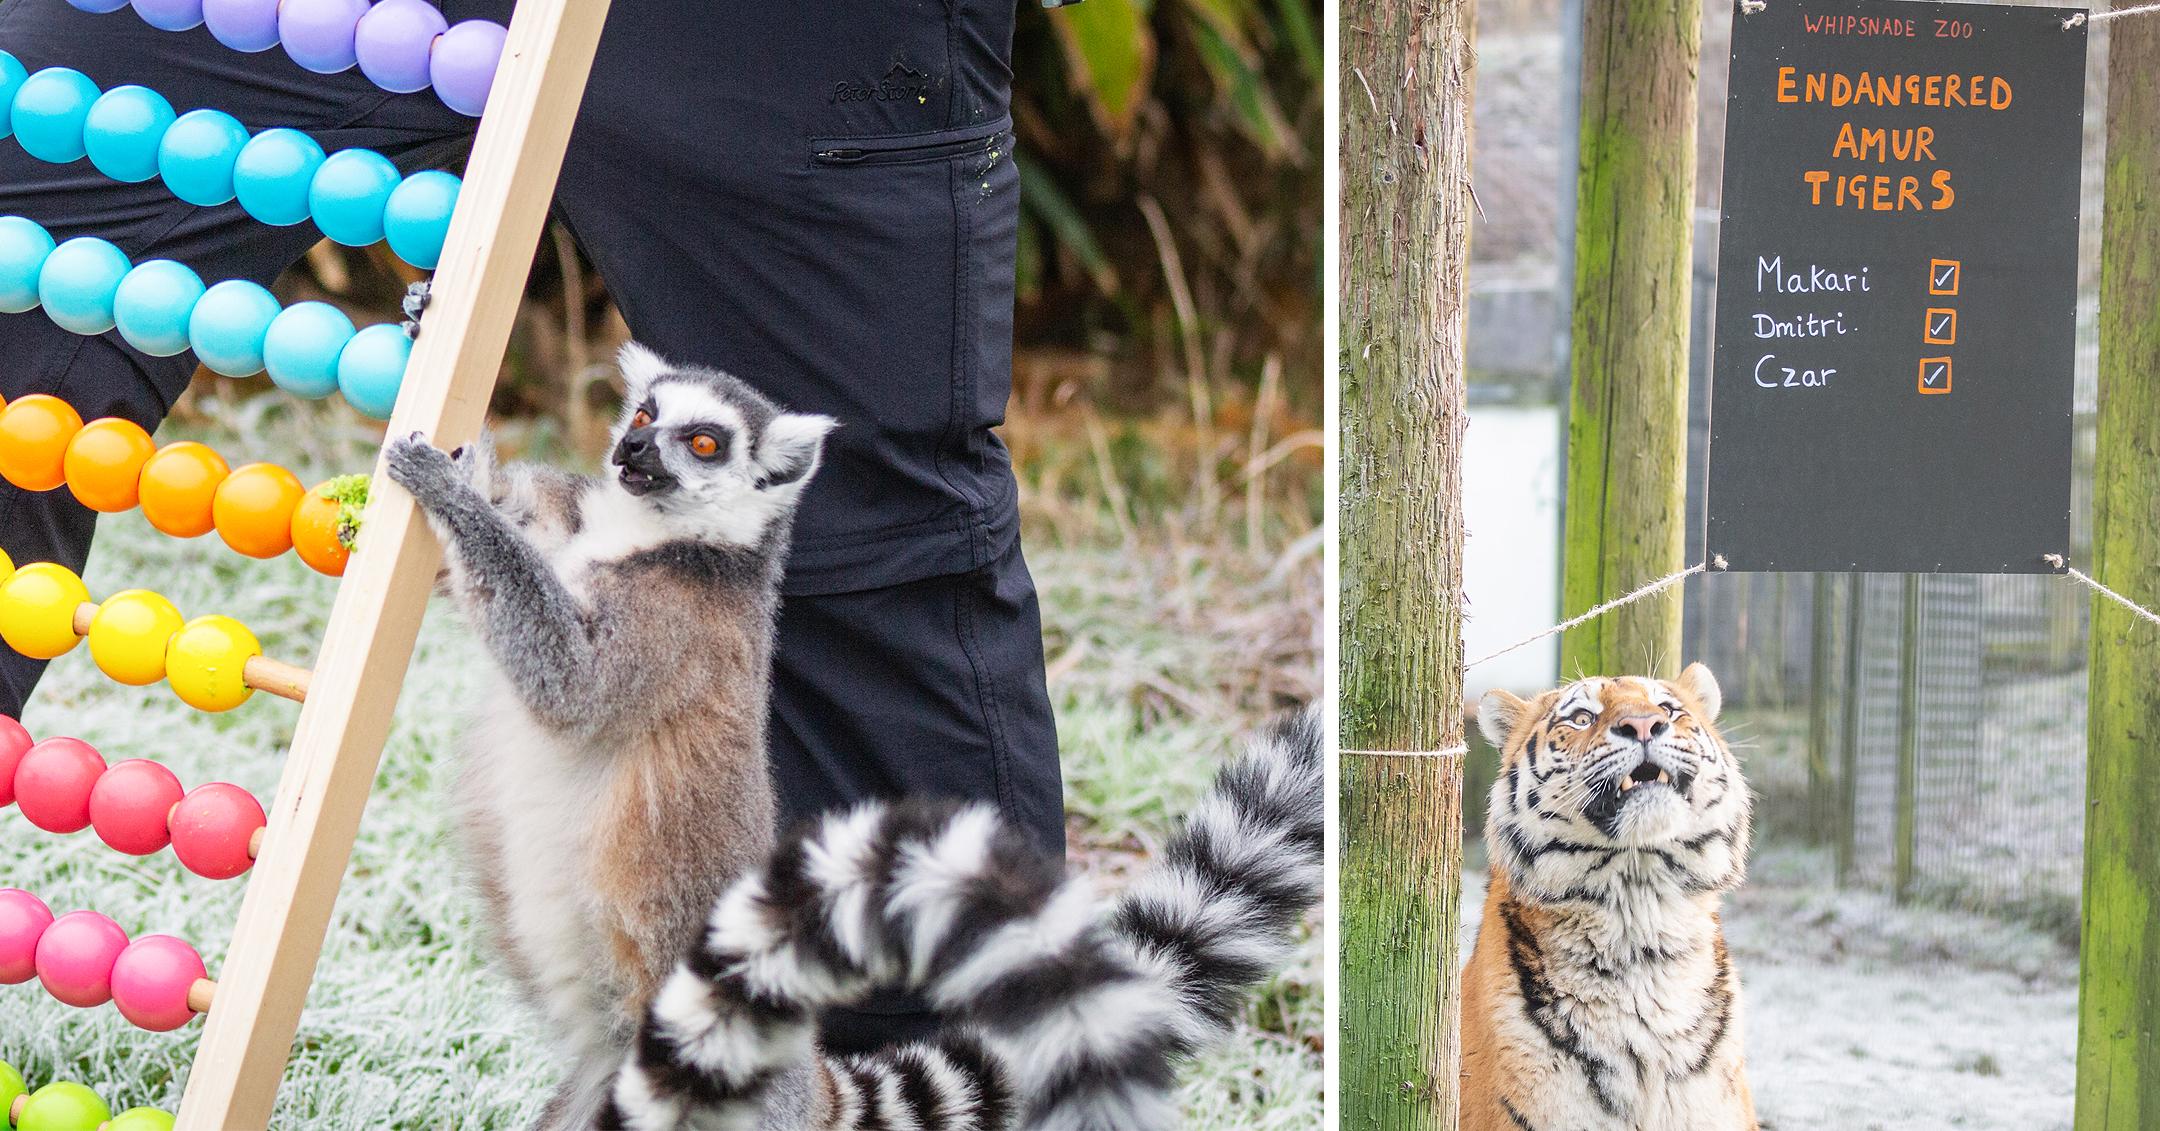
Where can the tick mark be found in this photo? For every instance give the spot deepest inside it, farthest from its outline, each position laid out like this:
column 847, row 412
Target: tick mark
column 1934, row 374
column 1943, row 276
column 1941, row 326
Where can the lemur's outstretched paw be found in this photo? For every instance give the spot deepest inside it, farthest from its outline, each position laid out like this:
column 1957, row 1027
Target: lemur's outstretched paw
column 476, row 464
column 420, row 467
column 416, row 303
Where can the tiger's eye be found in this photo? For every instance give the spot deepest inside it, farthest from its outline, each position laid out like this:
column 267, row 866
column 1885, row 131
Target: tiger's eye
column 704, row 445
column 642, row 419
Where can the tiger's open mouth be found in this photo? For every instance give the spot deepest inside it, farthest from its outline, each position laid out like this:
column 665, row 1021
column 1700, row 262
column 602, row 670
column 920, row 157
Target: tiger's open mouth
column 1646, row 774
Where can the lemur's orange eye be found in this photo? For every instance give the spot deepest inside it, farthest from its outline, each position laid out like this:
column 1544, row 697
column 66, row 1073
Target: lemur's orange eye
column 705, row 445
column 642, row 419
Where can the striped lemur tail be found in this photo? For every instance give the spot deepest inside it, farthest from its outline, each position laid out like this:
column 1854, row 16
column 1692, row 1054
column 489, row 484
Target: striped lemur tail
column 1061, row 1017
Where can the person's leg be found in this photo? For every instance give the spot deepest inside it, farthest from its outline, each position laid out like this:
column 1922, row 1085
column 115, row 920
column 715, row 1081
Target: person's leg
column 822, row 201
column 103, row 376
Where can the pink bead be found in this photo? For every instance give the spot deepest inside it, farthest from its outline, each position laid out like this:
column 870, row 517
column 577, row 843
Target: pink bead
column 211, row 828
column 151, row 980
column 76, row 955
column 23, row 919
column 129, row 803
column 53, row 783
column 14, row 743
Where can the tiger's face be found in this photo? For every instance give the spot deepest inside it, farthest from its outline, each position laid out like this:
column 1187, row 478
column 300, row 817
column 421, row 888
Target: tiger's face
column 1615, row 766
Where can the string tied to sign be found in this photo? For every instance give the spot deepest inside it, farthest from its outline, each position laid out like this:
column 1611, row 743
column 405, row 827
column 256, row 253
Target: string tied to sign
column 1716, row 561
column 2076, row 19
column 2072, row 572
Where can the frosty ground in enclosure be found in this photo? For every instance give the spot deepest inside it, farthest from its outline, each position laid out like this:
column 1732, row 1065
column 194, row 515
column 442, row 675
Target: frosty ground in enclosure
column 1865, row 1016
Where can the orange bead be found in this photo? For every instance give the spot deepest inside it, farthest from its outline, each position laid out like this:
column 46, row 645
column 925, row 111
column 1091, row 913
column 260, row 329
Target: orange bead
column 318, row 527
column 34, row 435
column 178, row 487
column 105, row 461
column 254, row 509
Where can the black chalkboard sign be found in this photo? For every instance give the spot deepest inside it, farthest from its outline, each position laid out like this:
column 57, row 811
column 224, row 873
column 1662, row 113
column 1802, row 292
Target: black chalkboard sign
column 1897, row 284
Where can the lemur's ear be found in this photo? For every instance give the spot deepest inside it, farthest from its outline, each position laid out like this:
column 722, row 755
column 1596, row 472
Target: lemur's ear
column 640, row 368
column 1498, row 714
column 1699, row 684
column 792, row 446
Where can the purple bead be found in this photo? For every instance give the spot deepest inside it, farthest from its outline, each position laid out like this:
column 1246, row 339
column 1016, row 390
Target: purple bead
column 170, row 15
column 393, row 43
column 100, row 6
column 243, row 25
column 318, row 34
column 464, row 65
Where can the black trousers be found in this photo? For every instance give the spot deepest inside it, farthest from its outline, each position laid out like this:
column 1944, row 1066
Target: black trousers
column 819, row 198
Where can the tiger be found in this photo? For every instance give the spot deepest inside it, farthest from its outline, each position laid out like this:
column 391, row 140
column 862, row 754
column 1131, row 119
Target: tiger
column 1599, row 995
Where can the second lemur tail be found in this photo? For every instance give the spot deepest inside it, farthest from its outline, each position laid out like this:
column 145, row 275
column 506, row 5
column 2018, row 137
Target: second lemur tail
column 1063, row 1019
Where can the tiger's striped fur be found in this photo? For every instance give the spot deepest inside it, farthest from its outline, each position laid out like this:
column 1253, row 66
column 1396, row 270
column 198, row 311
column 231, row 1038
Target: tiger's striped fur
column 1599, row 995
column 1064, row 1015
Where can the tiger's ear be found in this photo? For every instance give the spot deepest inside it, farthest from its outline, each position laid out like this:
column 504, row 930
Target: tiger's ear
column 1700, row 685
column 1499, row 714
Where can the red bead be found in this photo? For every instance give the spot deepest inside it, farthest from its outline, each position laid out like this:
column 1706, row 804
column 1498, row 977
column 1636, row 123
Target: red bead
column 211, row 829
column 76, row 955
column 14, row 743
column 23, row 919
column 151, row 980
column 53, row 783
column 129, row 803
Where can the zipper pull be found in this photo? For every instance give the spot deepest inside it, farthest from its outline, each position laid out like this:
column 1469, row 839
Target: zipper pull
column 840, row 156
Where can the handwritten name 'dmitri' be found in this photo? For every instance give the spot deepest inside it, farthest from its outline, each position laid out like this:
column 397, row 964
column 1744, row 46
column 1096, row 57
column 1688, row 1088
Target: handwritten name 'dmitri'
column 1843, row 185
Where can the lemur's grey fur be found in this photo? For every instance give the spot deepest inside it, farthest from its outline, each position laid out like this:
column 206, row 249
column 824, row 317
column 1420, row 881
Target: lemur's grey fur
column 615, row 782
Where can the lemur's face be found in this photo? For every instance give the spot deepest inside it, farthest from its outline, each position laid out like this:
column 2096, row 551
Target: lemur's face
column 698, row 446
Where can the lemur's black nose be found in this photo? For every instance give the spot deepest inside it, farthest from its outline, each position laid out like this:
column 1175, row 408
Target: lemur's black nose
column 635, row 444
column 1641, row 728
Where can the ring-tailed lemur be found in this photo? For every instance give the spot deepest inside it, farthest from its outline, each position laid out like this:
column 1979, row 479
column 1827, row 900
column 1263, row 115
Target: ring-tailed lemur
column 614, row 782
column 1062, row 1017
column 615, row 786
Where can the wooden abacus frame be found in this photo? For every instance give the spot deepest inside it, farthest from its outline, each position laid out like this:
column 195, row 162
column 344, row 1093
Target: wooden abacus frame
column 509, row 183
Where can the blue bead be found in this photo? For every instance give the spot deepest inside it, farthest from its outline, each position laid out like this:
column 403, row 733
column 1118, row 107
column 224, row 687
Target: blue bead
column 123, row 130
column 228, row 326
column 77, row 284
column 24, row 244
column 12, row 75
column 303, row 346
column 417, row 218
column 372, row 367
column 48, row 113
column 197, row 156
column 349, row 194
column 272, row 176
column 153, row 305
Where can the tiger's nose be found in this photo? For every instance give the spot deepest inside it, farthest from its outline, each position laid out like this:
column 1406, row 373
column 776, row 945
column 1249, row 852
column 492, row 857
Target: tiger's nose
column 1641, row 728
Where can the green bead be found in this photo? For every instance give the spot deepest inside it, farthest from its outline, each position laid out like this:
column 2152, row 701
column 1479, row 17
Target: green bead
column 11, row 1089
column 141, row 1119
column 63, row 1107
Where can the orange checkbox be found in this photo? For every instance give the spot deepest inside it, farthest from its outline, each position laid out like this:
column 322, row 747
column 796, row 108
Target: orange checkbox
column 1943, row 276
column 1934, row 375
column 1939, row 327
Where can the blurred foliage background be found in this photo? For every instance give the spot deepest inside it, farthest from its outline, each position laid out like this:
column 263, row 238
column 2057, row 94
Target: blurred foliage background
column 1168, row 362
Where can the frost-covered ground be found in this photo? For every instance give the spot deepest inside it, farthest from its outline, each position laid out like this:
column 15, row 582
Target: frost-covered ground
column 1865, row 1016
column 1159, row 654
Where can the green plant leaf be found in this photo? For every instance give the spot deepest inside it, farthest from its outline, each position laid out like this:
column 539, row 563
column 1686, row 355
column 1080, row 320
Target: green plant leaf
column 1040, row 196
column 1111, row 50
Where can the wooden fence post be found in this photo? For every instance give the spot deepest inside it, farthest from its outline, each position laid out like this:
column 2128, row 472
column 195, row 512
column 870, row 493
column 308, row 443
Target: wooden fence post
column 1406, row 209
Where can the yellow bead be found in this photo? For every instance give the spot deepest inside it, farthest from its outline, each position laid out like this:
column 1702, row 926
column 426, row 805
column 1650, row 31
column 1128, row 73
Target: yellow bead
column 7, row 567
column 205, row 662
column 37, row 610
column 129, row 634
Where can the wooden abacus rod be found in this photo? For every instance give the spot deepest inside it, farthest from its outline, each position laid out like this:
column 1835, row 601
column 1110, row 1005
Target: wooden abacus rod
column 274, row 677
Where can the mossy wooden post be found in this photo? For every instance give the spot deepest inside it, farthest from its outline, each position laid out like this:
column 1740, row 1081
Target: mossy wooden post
column 1406, row 78
column 2119, row 985
column 1627, row 413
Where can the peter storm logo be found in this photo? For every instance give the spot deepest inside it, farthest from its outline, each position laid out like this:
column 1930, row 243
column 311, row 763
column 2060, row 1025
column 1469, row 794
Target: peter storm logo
column 901, row 84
